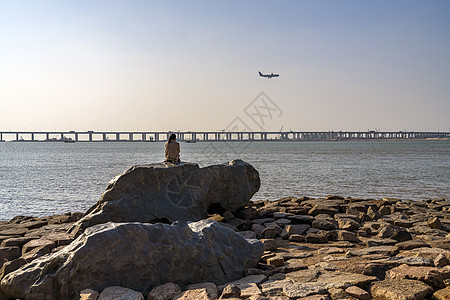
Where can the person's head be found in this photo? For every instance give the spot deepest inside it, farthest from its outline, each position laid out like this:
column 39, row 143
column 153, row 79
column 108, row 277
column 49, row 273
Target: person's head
column 172, row 137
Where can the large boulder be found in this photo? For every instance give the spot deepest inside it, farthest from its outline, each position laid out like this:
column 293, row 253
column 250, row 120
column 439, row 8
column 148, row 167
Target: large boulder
column 136, row 256
column 166, row 192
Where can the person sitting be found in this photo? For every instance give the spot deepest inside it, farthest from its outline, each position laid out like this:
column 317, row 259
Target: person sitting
column 172, row 150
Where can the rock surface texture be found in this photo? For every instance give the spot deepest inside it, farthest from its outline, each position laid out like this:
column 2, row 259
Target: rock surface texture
column 139, row 257
column 173, row 192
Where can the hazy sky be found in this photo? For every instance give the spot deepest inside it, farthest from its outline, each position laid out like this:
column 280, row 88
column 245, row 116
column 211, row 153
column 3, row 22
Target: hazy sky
column 193, row 65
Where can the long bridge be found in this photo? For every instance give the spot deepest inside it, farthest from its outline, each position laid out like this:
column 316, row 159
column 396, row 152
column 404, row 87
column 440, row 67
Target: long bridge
column 198, row 136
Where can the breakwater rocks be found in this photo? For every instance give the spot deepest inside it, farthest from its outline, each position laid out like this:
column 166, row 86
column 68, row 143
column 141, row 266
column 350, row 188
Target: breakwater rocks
column 331, row 248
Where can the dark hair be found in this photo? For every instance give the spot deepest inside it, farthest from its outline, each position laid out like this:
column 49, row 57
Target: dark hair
column 172, row 137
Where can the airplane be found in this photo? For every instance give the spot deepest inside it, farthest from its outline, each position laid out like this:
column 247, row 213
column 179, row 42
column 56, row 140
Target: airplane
column 268, row 76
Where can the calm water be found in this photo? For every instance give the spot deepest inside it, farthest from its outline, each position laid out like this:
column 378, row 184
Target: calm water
column 40, row 179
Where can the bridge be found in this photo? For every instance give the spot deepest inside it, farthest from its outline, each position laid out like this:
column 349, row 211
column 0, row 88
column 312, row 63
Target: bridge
column 199, row 136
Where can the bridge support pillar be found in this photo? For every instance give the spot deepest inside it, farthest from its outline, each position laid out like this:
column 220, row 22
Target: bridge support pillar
column 130, row 137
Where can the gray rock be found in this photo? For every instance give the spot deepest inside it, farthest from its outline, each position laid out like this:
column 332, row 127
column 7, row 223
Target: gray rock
column 297, row 229
column 411, row 261
column 411, row 244
column 139, row 257
column 298, row 290
column 173, row 192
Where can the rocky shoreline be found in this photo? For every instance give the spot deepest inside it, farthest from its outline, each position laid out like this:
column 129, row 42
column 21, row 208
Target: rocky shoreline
column 332, row 248
column 294, row 248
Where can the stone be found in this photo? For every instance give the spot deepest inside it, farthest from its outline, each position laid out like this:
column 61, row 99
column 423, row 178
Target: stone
column 297, row 229
column 298, row 290
column 430, row 253
column 441, row 261
column 434, row 223
column 211, row 288
column 248, row 234
column 249, row 285
column 401, row 236
column 443, row 294
column 402, row 289
column 297, row 238
column 271, row 231
column 322, row 209
column 8, row 254
column 89, row 294
column 230, row 291
column 119, row 293
column 276, row 261
column 141, row 256
column 172, row 192
column 379, row 242
column 228, row 216
column 274, row 288
column 198, row 294
column 372, row 213
column 412, row 261
column 387, row 232
column 248, row 214
column 269, row 244
column 430, row 275
column 358, row 293
column 324, row 224
column 384, row 210
column 411, row 244
column 164, row 292
column 11, row 266
column 301, row 219
column 316, row 238
column 19, row 241
column 383, row 250
column 257, row 228
column 349, row 236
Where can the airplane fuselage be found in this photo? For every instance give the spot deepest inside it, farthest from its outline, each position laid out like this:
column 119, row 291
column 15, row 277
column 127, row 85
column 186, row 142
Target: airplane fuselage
column 268, row 76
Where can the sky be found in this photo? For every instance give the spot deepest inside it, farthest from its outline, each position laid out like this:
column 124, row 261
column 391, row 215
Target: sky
column 193, row 65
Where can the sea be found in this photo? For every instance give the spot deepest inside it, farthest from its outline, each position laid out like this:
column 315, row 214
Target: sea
column 46, row 178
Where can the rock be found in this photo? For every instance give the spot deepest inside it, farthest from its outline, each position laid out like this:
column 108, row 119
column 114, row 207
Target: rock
column 276, row 261
column 358, row 293
column 19, row 241
column 388, row 231
column 324, row 224
column 8, row 254
column 348, row 224
column 322, row 209
column 164, row 292
column 316, row 238
column 430, row 253
column 297, row 229
column 432, row 276
column 257, row 228
column 11, row 266
column 119, row 293
column 373, row 213
column 411, row 244
column 383, row 250
column 349, row 236
column 434, row 223
column 89, row 294
column 141, row 256
column 248, row 214
column 403, row 289
column 297, row 238
column 269, row 244
column 249, row 285
column 271, row 231
column 248, row 234
column 301, row 219
column 198, row 294
column 443, row 294
column 401, row 236
column 441, row 261
column 274, row 288
column 412, row 261
column 230, row 291
column 173, row 192
column 228, row 216
column 298, row 290
column 379, row 242
column 384, row 210
column 211, row 288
